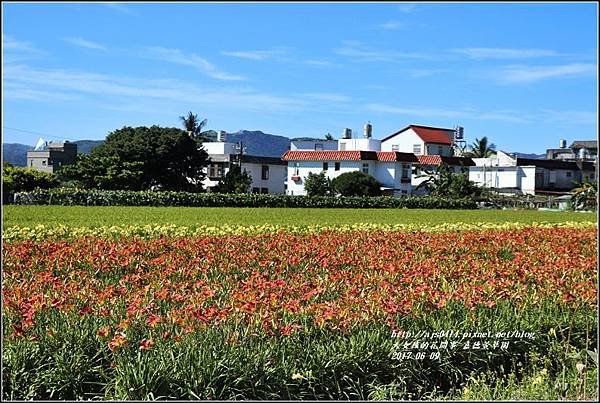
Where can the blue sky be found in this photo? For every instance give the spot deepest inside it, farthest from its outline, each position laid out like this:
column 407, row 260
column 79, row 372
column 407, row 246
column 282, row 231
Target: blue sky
column 525, row 75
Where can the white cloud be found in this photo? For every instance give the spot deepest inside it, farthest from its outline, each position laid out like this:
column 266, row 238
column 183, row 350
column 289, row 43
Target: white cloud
column 524, row 74
column 255, row 54
column 83, row 43
column 318, row 63
column 504, row 53
column 407, row 8
column 359, row 51
column 392, row 25
column 120, row 7
column 425, row 112
column 327, row 96
column 569, row 117
column 23, row 81
column 193, row 60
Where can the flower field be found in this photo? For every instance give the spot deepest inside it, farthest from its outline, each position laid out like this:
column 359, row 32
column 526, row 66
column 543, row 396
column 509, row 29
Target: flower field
column 272, row 312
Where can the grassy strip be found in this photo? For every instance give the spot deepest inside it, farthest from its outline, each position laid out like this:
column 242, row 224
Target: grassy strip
column 41, row 232
column 94, row 216
column 64, row 358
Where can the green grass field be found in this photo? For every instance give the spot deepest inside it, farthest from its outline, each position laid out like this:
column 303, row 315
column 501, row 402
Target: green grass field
column 81, row 216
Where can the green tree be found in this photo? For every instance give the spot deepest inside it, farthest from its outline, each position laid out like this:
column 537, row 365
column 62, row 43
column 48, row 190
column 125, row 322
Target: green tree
column 234, row 181
column 193, row 125
column 356, row 183
column 585, row 197
column 480, row 149
column 318, row 185
column 170, row 158
column 16, row 179
column 445, row 182
column 108, row 173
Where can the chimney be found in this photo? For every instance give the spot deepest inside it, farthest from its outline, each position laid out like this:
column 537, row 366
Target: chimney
column 368, row 130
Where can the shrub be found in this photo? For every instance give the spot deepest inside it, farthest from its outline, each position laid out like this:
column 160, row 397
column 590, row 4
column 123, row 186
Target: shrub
column 72, row 197
column 356, row 184
column 15, row 179
column 235, row 181
column 318, row 185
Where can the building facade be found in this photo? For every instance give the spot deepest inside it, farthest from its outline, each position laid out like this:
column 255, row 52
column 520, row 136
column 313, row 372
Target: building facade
column 268, row 173
column 52, row 156
column 392, row 161
column 512, row 175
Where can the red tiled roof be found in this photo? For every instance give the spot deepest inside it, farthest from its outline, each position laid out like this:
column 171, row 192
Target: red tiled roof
column 325, row 156
column 348, row 156
column 428, row 134
column 391, row 156
column 437, row 160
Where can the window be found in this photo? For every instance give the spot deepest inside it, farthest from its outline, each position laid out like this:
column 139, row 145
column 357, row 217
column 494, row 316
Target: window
column 318, row 147
column 342, row 146
column 255, row 190
column 264, row 190
column 395, row 147
column 296, row 168
column 265, row 172
column 405, row 171
column 43, row 162
column 417, row 149
column 365, row 167
column 325, row 166
column 30, row 163
column 568, row 174
column 337, row 166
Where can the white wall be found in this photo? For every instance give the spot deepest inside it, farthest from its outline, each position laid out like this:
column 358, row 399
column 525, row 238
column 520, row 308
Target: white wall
column 275, row 184
column 331, row 145
column 360, row 144
column 404, row 141
column 219, row 148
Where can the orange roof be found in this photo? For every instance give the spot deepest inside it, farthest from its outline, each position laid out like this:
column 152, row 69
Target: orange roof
column 348, row 156
column 428, row 134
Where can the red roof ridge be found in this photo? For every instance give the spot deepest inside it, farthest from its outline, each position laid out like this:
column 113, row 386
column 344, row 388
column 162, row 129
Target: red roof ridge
column 442, row 141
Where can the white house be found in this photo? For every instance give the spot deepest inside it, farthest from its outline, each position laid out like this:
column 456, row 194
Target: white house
column 391, row 169
column 508, row 174
column 313, row 144
column 421, row 140
column 268, row 173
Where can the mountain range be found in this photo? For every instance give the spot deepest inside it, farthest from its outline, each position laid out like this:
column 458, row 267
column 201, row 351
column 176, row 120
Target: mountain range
column 255, row 142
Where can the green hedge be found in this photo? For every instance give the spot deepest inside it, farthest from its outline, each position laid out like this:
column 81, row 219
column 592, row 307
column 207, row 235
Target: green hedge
column 76, row 197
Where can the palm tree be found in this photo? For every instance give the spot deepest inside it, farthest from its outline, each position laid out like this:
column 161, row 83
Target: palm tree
column 328, row 136
column 480, row 148
column 193, row 125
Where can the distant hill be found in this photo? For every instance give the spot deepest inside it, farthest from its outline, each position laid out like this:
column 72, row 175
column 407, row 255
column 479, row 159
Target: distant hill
column 530, row 156
column 261, row 144
column 16, row 154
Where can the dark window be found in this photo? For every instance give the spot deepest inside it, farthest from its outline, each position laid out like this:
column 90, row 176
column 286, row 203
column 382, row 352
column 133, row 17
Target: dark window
column 255, row 190
column 296, row 168
column 568, row 174
column 265, row 172
column 417, row 149
column 325, row 166
column 264, row 190
column 43, row 162
column 365, row 167
column 405, row 168
column 337, row 166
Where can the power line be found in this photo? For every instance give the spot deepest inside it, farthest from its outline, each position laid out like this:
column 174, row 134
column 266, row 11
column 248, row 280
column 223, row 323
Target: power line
column 38, row 133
